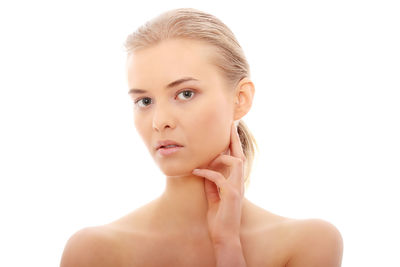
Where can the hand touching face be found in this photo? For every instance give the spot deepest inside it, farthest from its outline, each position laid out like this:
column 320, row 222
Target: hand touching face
column 224, row 188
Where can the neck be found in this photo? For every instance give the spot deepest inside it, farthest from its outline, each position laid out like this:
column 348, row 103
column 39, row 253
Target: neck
column 182, row 207
column 183, row 203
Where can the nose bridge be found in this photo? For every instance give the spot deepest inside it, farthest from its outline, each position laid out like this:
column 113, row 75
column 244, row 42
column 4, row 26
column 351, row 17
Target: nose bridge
column 162, row 115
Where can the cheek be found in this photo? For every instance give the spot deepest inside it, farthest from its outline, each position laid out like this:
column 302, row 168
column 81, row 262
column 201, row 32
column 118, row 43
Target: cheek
column 137, row 122
column 140, row 125
column 211, row 130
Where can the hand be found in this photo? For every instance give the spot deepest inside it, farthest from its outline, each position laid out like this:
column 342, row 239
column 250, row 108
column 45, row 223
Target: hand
column 225, row 192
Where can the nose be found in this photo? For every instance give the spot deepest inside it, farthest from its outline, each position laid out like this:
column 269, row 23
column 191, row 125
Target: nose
column 162, row 118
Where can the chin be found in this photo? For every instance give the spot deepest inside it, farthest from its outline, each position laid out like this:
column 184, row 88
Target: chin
column 176, row 171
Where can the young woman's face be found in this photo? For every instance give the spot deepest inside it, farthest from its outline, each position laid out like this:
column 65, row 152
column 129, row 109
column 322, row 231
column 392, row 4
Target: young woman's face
column 196, row 114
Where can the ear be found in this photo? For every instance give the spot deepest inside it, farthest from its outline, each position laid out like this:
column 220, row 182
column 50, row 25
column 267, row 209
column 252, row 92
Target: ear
column 243, row 98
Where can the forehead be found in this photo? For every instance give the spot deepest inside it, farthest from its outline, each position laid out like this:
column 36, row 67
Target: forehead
column 170, row 59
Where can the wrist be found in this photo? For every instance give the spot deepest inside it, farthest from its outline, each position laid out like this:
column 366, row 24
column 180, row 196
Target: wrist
column 229, row 253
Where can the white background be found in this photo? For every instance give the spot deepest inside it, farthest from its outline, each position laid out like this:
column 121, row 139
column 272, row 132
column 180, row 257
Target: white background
column 326, row 117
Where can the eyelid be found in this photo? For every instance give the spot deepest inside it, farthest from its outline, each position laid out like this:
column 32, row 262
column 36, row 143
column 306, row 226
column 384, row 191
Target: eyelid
column 180, row 91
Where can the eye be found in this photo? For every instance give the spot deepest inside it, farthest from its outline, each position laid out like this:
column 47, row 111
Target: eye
column 148, row 100
column 187, row 94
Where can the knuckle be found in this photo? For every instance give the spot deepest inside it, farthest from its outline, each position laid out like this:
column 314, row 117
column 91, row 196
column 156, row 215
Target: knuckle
column 226, row 157
column 221, row 179
column 239, row 160
column 220, row 176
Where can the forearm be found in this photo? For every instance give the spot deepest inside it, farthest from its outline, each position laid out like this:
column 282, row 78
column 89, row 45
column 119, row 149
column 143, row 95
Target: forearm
column 230, row 254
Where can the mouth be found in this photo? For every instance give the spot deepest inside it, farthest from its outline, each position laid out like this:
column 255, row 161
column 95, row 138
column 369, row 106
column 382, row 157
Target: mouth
column 169, row 146
column 166, row 144
column 167, row 150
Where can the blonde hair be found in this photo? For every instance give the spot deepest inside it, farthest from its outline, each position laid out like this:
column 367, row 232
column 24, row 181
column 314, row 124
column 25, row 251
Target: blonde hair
column 189, row 23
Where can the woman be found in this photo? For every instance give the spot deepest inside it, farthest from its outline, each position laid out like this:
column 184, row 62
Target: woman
column 189, row 82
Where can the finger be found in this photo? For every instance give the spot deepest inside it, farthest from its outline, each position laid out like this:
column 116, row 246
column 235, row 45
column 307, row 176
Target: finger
column 214, row 176
column 227, row 151
column 231, row 162
column 236, row 169
column 212, row 192
column 236, row 145
column 217, row 161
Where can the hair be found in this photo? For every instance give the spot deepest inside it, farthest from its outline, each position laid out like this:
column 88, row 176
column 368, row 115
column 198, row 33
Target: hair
column 193, row 24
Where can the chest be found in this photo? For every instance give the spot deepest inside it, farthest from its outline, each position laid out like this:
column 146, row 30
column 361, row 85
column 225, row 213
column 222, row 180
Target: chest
column 155, row 251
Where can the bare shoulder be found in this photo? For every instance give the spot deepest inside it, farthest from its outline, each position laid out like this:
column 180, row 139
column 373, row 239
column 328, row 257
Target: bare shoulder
column 290, row 242
column 90, row 246
column 314, row 242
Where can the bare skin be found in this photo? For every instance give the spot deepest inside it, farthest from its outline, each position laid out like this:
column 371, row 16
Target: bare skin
column 139, row 239
column 193, row 247
column 174, row 230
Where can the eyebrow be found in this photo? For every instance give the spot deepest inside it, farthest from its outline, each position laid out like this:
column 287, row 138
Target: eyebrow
column 170, row 85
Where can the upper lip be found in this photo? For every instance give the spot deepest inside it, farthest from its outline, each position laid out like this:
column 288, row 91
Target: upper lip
column 166, row 143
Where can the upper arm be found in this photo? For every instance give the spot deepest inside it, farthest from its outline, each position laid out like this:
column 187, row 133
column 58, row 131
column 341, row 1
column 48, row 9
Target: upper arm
column 317, row 243
column 88, row 247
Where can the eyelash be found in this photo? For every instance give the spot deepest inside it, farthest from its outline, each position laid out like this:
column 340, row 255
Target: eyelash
column 136, row 101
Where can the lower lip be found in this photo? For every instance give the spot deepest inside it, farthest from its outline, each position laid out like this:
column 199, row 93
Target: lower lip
column 167, row 151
